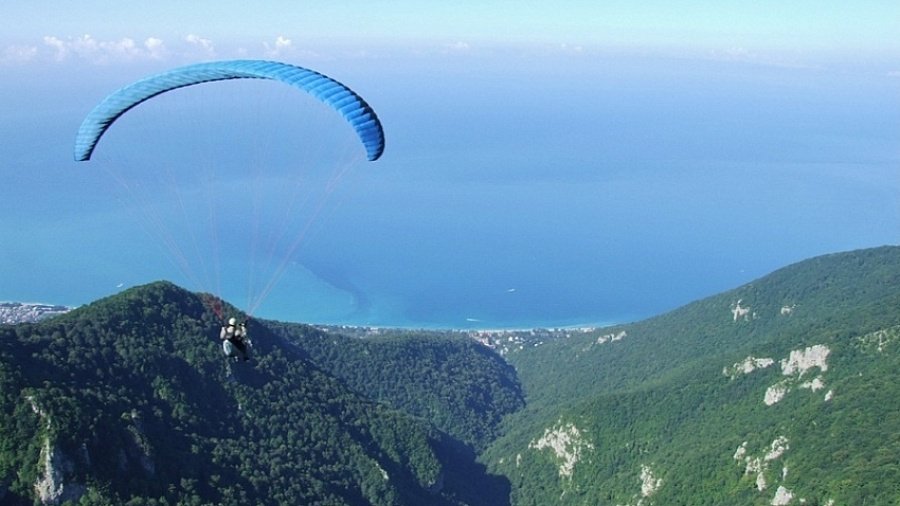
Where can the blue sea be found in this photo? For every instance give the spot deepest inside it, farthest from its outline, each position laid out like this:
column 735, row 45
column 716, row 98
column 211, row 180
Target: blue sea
column 511, row 194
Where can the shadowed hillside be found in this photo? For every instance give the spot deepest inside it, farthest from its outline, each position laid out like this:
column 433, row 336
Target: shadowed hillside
column 130, row 401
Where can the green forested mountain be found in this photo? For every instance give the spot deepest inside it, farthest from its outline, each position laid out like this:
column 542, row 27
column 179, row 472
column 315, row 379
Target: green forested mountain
column 130, row 401
column 461, row 386
column 782, row 391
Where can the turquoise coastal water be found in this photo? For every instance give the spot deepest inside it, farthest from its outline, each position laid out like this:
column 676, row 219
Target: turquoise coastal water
column 503, row 200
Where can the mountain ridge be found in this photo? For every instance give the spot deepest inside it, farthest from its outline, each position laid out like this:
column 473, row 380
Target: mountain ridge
column 780, row 391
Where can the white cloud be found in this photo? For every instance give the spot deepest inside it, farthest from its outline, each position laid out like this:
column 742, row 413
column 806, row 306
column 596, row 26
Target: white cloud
column 282, row 45
column 105, row 51
column 455, row 48
column 60, row 46
column 205, row 45
column 155, row 48
column 19, row 53
column 459, row 46
column 192, row 47
column 102, row 51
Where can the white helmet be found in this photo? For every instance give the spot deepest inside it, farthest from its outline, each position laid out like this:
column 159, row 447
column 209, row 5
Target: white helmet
column 232, row 321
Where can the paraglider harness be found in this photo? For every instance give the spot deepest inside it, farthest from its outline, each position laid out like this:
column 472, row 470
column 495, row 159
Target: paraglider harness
column 234, row 339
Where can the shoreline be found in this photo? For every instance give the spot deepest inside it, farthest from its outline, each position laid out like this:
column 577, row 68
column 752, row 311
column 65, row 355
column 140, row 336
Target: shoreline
column 43, row 310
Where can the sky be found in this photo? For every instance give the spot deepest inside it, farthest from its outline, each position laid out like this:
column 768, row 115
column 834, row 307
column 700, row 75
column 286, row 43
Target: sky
column 546, row 163
column 106, row 29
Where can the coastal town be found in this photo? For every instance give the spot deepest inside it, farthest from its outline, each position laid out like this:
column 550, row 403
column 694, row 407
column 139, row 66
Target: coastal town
column 19, row 312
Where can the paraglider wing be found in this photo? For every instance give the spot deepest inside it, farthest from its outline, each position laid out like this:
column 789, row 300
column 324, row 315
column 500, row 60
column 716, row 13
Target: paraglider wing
column 332, row 93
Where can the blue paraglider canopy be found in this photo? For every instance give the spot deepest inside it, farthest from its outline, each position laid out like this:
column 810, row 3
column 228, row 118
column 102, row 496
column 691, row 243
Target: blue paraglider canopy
column 332, row 93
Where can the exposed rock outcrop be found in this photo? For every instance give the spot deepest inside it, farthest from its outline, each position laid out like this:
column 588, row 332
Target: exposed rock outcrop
column 567, row 444
column 51, row 487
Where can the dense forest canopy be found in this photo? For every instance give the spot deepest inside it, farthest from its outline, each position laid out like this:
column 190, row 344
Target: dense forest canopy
column 781, row 391
column 134, row 397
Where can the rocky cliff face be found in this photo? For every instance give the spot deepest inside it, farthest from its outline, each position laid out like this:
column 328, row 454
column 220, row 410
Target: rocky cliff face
column 54, row 485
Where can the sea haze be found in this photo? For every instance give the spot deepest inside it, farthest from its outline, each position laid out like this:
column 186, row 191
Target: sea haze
column 536, row 193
